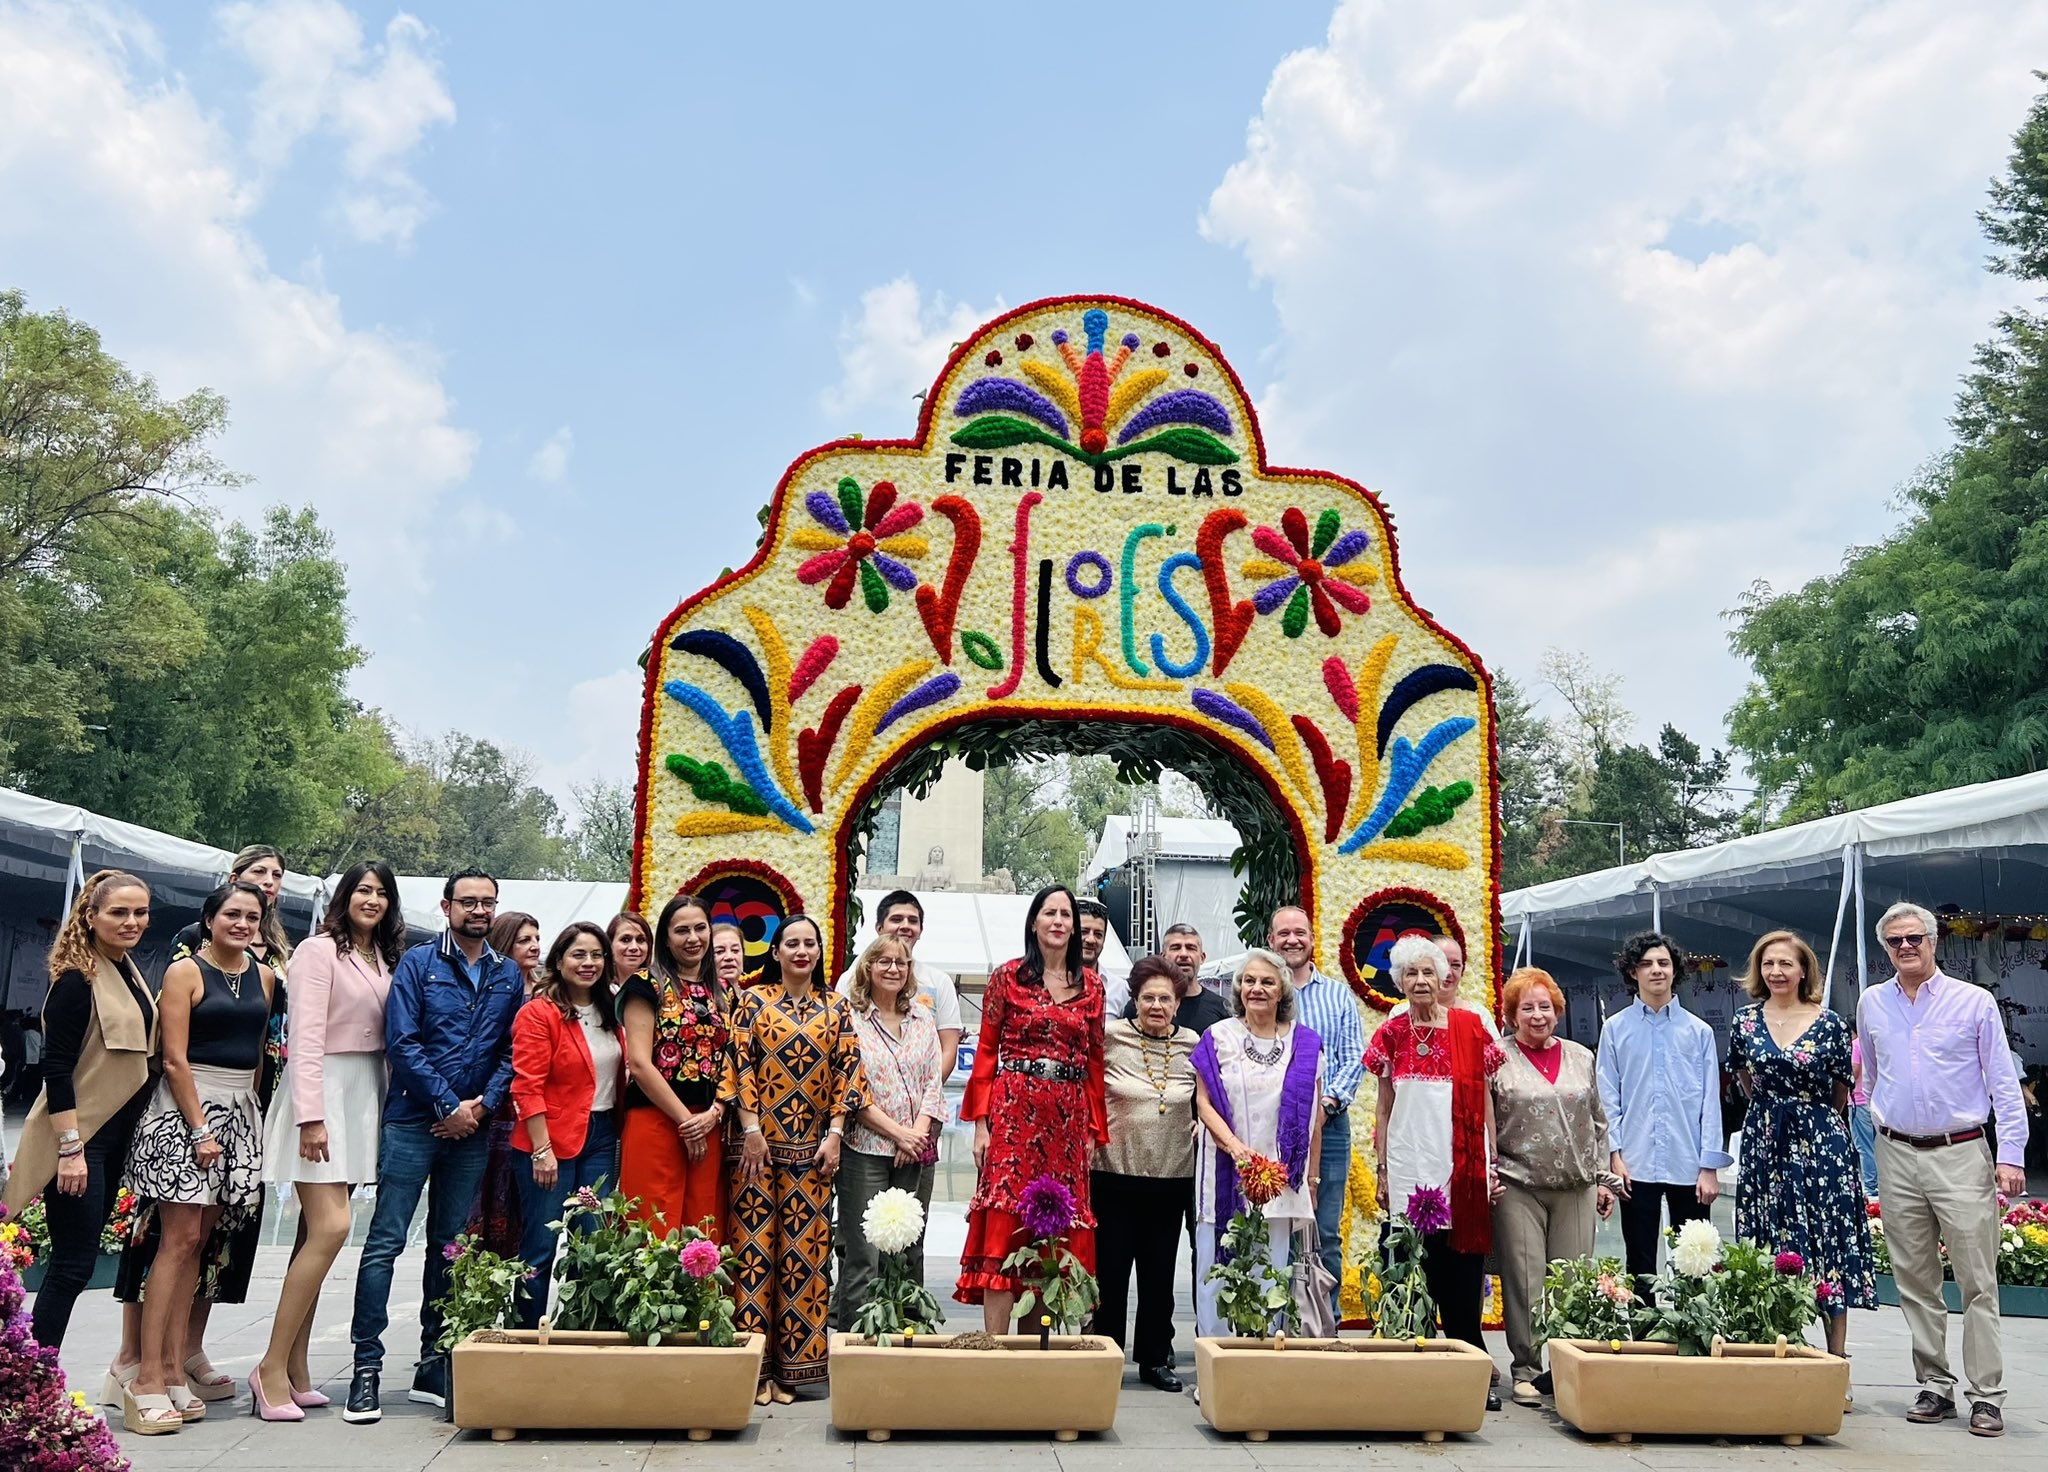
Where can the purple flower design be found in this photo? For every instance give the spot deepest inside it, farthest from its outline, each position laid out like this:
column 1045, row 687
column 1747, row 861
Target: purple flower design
column 1429, row 1210
column 1047, row 1208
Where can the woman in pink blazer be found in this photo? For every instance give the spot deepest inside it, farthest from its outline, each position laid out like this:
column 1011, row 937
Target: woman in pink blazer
column 568, row 1070
column 321, row 1136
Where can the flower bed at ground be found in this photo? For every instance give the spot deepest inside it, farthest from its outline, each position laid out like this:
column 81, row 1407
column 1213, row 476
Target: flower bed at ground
column 2022, row 1244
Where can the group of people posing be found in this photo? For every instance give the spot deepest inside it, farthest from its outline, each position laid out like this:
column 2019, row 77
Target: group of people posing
column 498, row 1079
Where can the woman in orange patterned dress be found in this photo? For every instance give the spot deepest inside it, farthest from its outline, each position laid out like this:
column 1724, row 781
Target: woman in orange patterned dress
column 794, row 1079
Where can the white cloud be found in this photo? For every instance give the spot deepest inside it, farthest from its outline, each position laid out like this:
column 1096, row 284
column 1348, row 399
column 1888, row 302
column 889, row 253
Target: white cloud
column 550, row 463
column 127, row 209
column 1623, row 306
column 315, row 74
column 894, row 349
column 602, row 739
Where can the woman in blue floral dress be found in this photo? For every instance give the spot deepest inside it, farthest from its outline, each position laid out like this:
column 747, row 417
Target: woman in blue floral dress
column 1801, row 1189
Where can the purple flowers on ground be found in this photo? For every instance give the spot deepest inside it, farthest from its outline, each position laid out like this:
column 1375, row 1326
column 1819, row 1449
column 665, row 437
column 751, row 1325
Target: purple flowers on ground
column 1791, row 1263
column 1047, row 1208
column 42, row 1428
column 1429, row 1210
column 700, row 1258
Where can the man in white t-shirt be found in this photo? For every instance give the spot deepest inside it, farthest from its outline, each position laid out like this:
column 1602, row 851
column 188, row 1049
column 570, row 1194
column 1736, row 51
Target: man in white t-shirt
column 1455, row 954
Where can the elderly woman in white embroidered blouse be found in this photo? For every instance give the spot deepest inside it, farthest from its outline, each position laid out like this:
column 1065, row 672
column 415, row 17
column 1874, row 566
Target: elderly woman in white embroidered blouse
column 891, row 1138
column 1550, row 1135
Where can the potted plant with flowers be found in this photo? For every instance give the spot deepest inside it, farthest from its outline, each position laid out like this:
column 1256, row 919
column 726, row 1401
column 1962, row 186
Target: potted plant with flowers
column 1404, row 1378
column 1048, row 1378
column 27, row 1240
column 642, row 1338
column 43, row 1426
column 1719, row 1349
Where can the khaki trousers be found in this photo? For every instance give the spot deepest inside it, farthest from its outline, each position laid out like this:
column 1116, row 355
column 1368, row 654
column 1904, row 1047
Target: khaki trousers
column 1530, row 1230
column 1929, row 1197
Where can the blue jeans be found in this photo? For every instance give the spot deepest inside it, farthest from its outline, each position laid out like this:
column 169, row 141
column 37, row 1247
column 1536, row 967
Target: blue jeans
column 1334, row 1166
column 410, row 1159
column 540, row 1207
column 1863, row 1130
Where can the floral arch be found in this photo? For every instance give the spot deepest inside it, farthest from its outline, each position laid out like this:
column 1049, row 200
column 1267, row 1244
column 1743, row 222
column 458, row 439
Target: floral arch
column 1083, row 537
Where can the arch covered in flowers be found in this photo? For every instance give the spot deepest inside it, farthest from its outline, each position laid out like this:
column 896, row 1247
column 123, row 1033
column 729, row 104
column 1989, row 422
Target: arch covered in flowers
column 1084, row 532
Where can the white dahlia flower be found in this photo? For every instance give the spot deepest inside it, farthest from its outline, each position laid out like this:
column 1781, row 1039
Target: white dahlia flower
column 1697, row 1250
column 893, row 1221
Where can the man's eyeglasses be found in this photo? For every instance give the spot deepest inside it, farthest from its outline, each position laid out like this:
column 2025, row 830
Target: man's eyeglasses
column 1904, row 942
column 469, row 904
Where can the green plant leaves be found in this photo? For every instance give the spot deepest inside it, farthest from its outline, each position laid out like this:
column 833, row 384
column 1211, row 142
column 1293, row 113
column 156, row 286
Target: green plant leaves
column 1183, row 442
column 1000, row 432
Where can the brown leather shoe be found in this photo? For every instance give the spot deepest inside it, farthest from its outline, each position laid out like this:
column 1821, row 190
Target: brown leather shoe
column 1931, row 1406
column 1985, row 1419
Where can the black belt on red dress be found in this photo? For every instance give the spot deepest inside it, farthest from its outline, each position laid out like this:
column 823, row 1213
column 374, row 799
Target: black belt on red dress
column 1046, row 1068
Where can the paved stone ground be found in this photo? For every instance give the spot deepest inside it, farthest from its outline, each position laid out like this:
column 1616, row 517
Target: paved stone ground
column 1153, row 1431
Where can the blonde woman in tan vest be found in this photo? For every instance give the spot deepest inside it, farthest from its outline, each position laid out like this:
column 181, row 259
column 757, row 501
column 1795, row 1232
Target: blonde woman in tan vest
column 99, row 1064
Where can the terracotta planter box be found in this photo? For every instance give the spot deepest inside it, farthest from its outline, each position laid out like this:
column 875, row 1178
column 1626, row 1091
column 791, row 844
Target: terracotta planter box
column 1249, row 1386
column 580, row 1381
column 1745, row 1390
column 2015, row 1300
column 931, row 1387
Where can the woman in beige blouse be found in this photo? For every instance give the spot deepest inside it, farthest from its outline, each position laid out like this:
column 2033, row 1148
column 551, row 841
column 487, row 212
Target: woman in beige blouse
column 1551, row 1135
column 1143, row 1181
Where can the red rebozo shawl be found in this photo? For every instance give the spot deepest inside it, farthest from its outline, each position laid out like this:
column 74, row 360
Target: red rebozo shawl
column 1471, row 1203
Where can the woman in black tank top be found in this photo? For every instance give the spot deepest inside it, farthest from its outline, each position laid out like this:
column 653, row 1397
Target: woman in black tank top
column 198, row 1154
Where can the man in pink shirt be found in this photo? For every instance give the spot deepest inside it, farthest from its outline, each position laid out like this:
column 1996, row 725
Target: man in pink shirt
column 1938, row 1066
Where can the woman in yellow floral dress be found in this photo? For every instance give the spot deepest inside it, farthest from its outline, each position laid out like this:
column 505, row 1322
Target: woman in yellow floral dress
column 794, row 1079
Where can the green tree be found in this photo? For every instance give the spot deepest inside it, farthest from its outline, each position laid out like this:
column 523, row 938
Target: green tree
column 492, row 814
column 1923, row 663
column 600, row 846
column 228, row 720
column 1534, row 783
column 1026, row 828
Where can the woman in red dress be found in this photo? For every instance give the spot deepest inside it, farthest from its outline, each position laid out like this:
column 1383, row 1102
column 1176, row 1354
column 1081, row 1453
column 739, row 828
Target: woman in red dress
column 1035, row 1098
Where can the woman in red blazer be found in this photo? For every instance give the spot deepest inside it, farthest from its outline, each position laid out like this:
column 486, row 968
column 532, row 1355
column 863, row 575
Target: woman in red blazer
column 568, row 1066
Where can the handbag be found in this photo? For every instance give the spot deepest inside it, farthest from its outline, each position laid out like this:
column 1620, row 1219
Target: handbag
column 1313, row 1286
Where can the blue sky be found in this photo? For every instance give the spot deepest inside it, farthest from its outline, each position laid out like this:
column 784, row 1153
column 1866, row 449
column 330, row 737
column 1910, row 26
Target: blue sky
column 1619, row 307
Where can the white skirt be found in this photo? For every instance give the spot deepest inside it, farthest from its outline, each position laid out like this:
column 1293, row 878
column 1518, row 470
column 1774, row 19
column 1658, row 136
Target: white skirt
column 352, row 1085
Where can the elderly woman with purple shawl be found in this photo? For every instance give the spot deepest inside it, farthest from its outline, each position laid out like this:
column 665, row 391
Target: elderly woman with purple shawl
column 1258, row 1091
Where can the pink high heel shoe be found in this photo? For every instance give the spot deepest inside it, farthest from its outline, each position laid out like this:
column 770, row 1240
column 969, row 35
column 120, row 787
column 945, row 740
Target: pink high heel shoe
column 264, row 1409
column 309, row 1400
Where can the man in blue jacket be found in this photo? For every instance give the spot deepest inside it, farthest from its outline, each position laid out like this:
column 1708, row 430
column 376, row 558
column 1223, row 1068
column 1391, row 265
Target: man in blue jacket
column 448, row 1040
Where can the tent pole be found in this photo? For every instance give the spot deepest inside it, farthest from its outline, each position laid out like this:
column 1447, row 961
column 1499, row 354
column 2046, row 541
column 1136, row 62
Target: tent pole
column 74, row 873
column 1862, row 929
column 1841, row 909
column 1523, row 954
column 1656, row 908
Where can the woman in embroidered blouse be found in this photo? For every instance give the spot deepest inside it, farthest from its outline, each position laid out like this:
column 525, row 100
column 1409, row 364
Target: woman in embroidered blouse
column 889, row 1140
column 1800, row 1189
column 1258, row 1091
column 1143, row 1181
column 794, row 1077
column 321, row 1134
column 1035, row 1098
column 1434, row 1132
column 1551, row 1137
column 676, row 1038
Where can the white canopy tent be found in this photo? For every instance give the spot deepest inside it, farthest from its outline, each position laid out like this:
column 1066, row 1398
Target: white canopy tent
column 1191, row 878
column 48, row 848
column 1974, row 851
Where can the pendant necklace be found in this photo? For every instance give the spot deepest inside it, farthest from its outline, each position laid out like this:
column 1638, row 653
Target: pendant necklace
column 1422, row 1041
column 235, row 981
column 1164, row 1077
